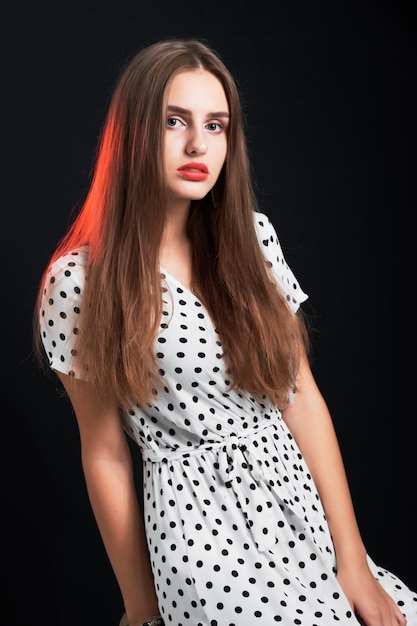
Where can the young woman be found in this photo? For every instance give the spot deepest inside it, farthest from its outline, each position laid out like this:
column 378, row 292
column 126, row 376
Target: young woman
column 169, row 313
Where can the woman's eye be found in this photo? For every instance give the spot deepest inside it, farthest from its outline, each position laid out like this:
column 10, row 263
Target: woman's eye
column 173, row 121
column 214, row 127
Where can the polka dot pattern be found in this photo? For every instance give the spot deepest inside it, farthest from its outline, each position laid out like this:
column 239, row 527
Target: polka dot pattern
column 236, row 531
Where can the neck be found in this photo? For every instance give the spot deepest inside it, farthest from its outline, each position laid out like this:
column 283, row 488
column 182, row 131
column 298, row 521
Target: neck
column 176, row 223
column 175, row 251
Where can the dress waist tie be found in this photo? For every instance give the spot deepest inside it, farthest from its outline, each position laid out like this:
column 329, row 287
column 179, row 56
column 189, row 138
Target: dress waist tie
column 235, row 453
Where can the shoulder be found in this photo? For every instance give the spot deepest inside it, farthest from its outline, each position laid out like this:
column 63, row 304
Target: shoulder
column 261, row 221
column 60, row 308
column 64, row 283
column 272, row 250
column 66, row 274
column 266, row 232
column 70, row 267
column 268, row 239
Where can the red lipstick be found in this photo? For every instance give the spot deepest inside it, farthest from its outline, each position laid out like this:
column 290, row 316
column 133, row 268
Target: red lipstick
column 194, row 171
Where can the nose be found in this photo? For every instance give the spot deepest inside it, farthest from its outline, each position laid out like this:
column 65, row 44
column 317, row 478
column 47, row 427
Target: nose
column 196, row 144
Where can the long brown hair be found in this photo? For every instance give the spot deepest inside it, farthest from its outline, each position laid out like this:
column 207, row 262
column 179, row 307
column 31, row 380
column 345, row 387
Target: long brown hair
column 122, row 221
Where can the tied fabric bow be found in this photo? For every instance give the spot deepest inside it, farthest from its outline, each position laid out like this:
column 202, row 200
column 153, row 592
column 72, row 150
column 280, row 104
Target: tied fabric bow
column 258, row 491
column 241, row 468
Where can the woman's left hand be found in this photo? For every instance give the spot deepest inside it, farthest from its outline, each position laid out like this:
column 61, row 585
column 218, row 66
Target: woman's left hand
column 370, row 602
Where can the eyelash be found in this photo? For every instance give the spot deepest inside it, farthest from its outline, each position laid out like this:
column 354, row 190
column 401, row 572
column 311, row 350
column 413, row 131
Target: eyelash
column 220, row 126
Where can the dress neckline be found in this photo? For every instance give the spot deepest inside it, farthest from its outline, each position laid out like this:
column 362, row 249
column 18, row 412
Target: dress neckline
column 166, row 273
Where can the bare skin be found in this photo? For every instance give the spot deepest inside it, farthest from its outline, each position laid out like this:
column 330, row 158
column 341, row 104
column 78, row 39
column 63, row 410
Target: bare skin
column 310, row 422
column 194, row 134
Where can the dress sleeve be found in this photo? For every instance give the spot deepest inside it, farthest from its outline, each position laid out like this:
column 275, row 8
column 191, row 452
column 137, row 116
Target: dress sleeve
column 272, row 250
column 59, row 311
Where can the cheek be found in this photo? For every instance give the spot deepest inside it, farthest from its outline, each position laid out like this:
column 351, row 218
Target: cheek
column 221, row 156
column 168, row 149
column 167, row 156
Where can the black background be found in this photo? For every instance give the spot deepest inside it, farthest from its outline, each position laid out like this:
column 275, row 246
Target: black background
column 329, row 95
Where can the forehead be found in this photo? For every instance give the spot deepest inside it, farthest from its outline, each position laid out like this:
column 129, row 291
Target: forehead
column 197, row 90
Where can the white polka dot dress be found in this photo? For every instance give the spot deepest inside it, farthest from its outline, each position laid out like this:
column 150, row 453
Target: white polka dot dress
column 236, row 531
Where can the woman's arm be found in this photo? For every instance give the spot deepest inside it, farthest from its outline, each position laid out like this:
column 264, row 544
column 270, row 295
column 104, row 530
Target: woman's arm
column 108, row 472
column 310, row 423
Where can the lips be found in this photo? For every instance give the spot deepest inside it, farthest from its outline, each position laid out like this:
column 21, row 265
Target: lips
column 194, row 171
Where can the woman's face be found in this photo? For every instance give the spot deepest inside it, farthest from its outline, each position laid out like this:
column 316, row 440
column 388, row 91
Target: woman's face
column 195, row 144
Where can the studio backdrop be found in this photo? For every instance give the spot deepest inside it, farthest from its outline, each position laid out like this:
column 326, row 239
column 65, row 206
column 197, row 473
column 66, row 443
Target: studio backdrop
column 328, row 93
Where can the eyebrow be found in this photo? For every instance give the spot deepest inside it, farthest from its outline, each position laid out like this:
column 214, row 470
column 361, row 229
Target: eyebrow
column 182, row 111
